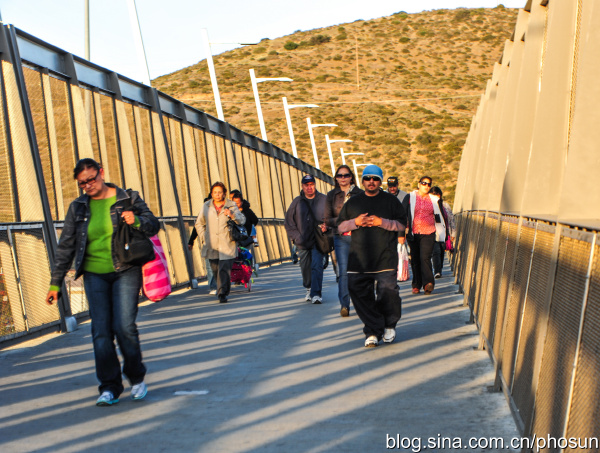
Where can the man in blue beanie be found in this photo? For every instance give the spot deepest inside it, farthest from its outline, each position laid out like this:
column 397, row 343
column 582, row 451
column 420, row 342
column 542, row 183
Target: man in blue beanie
column 374, row 219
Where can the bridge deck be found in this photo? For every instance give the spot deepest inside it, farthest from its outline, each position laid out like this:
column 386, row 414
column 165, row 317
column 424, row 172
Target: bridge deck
column 280, row 375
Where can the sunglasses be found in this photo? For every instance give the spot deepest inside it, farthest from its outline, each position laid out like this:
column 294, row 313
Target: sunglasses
column 371, row 178
column 344, row 175
column 88, row 182
column 423, row 183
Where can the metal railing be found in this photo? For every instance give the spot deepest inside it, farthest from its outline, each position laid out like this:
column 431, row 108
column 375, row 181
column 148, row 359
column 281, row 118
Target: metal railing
column 56, row 108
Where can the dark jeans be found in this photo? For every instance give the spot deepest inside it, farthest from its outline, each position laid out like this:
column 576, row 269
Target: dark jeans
column 311, row 266
column 342, row 250
column 113, row 301
column 421, row 250
column 377, row 309
column 439, row 249
column 222, row 270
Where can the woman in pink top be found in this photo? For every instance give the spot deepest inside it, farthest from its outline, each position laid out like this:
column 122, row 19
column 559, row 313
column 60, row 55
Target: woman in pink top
column 426, row 225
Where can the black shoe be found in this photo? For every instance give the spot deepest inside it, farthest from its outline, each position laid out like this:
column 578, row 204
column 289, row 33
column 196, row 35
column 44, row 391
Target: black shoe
column 222, row 299
column 325, row 262
column 295, row 262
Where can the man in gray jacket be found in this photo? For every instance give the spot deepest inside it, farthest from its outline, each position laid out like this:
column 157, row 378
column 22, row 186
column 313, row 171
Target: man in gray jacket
column 305, row 210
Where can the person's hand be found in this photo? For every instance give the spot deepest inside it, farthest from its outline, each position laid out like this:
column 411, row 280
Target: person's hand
column 128, row 217
column 361, row 220
column 190, row 247
column 228, row 213
column 401, row 240
column 51, row 297
column 373, row 220
column 323, row 227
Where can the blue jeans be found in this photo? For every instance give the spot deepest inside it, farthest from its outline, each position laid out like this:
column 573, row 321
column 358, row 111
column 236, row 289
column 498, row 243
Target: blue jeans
column 113, row 301
column 311, row 266
column 210, row 277
column 342, row 250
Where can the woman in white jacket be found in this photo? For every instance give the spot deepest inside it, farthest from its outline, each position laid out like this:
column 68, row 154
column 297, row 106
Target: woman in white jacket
column 426, row 226
column 217, row 245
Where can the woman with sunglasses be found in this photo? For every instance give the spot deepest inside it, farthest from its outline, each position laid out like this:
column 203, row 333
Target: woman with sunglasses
column 426, row 225
column 111, row 287
column 345, row 188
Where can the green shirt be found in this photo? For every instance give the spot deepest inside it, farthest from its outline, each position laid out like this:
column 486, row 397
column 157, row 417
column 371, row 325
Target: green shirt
column 98, row 252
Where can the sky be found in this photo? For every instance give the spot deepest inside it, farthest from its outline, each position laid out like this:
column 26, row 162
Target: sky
column 171, row 29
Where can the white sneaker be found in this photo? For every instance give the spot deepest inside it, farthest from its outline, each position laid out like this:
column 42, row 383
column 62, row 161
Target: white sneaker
column 106, row 399
column 371, row 342
column 213, row 292
column 138, row 391
column 317, row 300
column 389, row 334
column 307, row 297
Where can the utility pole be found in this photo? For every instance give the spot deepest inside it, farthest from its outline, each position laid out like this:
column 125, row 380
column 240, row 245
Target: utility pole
column 357, row 78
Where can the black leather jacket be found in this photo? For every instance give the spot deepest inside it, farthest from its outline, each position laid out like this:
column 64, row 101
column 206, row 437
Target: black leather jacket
column 73, row 239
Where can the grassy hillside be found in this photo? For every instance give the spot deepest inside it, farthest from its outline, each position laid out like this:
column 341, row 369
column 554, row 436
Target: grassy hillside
column 407, row 104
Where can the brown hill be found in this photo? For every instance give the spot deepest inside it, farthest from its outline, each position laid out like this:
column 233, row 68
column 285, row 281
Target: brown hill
column 407, row 104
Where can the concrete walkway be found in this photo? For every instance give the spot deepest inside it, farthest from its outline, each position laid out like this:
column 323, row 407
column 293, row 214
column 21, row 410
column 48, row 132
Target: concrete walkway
column 266, row 372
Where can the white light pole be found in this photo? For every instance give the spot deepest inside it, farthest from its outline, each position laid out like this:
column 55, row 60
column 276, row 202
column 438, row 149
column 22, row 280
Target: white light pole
column 329, row 142
column 286, row 109
column 139, row 43
column 255, row 81
column 312, row 138
column 211, row 68
column 356, row 169
column 348, row 154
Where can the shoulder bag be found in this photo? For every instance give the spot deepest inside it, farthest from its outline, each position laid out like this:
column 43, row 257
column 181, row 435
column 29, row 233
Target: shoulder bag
column 131, row 245
column 323, row 242
column 239, row 234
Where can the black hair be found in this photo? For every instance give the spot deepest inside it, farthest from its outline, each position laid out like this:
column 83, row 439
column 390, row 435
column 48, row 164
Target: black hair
column 236, row 192
column 352, row 180
column 426, row 177
column 237, row 195
column 435, row 190
column 84, row 164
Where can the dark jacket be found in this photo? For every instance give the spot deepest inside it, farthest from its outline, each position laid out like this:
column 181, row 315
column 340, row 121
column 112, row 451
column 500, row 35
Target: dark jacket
column 251, row 218
column 298, row 223
column 73, row 239
column 334, row 204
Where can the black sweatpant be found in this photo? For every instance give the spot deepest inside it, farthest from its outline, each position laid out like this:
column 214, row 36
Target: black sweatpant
column 376, row 310
column 421, row 250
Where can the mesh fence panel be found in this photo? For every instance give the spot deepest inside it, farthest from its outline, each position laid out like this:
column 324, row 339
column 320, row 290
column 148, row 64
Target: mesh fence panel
column 30, row 207
column 202, row 160
column 481, row 268
column 11, row 300
column 167, row 194
column 112, row 164
column 241, row 170
column 147, row 159
column 481, row 305
column 195, row 186
column 535, row 307
column 129, row 151
column 81, row 118
column 264, row 181
column 34, row 273
column 261, row 251
column 176, row 253
column 507, row 272
column 232, row 168
column 222, row 161
column 561, row 339
column 492, row 306
column 517, row 298
column 253, row 194
column 35, row 94
column 179, row 164
column 584, row 420
column 7, row 195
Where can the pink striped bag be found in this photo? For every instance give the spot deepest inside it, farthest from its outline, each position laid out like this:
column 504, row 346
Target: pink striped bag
column 157, row 284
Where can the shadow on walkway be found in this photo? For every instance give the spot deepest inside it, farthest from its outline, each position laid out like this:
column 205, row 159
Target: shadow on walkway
column 266, row 372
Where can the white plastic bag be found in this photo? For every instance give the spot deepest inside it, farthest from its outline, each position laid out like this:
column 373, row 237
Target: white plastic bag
column 403, row 262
